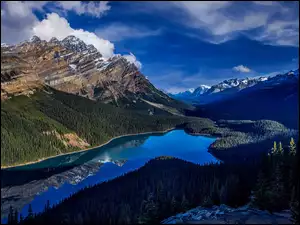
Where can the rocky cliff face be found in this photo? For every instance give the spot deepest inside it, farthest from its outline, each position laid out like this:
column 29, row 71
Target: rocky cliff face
column 72, row 66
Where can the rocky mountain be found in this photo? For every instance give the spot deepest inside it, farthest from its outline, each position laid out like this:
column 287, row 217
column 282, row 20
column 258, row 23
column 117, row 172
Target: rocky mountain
column 200, row 90
column 72, row 66
column 228, row 88
column 275, row 99
column 191, row 93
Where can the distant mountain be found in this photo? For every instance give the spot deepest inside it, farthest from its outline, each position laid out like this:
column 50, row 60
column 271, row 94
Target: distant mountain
column 226, row 89
column 275, row 99
column 190, row 94
column 72, row 66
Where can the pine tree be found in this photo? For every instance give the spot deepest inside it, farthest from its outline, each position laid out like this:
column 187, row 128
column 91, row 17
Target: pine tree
column 10, row 219
column 278, row 200
column 280, row 149
column 149, row 210
column 261, row 193
column 174, row 205
column 184, row 203
column 274, row 149
column 30, row 212
column 16, row 217
column 47, row 206
column 295, row 209
column 21, row 218
column 207, row 202
column 292, row 147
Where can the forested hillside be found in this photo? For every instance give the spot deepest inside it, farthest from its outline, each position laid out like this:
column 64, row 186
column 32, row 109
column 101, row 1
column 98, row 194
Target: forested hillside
column 273, row 102
column 166, row 186
column 51, row 122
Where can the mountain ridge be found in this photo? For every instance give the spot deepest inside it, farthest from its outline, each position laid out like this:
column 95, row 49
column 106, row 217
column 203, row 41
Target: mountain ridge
column 227, row 88
column 72, row 66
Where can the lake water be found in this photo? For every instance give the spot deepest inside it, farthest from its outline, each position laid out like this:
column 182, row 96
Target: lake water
column 78, row 170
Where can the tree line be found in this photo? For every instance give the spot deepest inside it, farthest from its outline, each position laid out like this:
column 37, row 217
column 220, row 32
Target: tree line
column 25, row 120
column 166, row 186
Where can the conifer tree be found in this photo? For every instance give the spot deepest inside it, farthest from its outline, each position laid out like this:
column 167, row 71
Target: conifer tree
column 280, row 149
column 47, row 206
column 10, row 219
column 274, row 149
column 278, row 200
column 261, row 193
column 174, row 205
column 21, row 218
column 149, row 210
column 295, row 209
column 16, row 217
column 207, row 202
column 184, row 203
column 30, row 212
column 292, row 147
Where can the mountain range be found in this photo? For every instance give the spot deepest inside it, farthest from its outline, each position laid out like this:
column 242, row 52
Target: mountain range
column 275, row 98
column 228, row 88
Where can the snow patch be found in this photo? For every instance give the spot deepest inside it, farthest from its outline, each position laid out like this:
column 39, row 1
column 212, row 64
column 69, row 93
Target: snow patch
column 73, row 66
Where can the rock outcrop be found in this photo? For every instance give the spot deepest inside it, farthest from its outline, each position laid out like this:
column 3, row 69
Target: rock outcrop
column 226, row 215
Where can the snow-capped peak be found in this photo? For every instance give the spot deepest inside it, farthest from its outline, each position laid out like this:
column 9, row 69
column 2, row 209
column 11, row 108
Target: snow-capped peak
column 54, row 40
column 204, row 86
column 73, row 43
column 35, row 39
column 4, row 45
column 191, row 90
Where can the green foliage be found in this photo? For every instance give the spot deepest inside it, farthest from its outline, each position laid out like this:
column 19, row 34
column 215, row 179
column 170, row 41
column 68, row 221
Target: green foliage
column 280, row 149
column 25, row 120
column 261, row 192
column 274, row 149
column 30, row 212
column 162, row 188
column 154, row 192
column 292, row 147
column 276, row 181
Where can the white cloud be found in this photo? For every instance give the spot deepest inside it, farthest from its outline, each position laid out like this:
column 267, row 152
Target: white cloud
column 131, row 58
column 96, row 9
column 220, row 21
column 19, row 20
column 280, row 33
column 59, row 27
column 241, row 69
column 118, row 31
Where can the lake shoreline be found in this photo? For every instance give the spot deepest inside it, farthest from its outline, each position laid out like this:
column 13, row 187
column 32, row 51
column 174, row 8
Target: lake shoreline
column 98, row 146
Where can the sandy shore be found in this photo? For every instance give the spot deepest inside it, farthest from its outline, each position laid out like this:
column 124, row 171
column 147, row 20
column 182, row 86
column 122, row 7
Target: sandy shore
column 98, row 146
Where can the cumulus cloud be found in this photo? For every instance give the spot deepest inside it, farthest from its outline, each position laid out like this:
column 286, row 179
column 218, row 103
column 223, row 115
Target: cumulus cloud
column 131, row 58
column 96, row 9
column 241, row 69
column 118, row 31
column 59, row 27
column 19, row 20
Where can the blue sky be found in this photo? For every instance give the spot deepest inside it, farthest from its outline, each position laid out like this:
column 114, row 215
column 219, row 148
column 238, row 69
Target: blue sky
column 179, row 45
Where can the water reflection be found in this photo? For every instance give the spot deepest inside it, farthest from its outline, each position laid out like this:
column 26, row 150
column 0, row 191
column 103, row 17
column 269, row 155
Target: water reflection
column 57, row 178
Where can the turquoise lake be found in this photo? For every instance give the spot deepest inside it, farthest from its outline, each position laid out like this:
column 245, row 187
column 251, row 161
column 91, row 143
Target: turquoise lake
column 120, row 156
